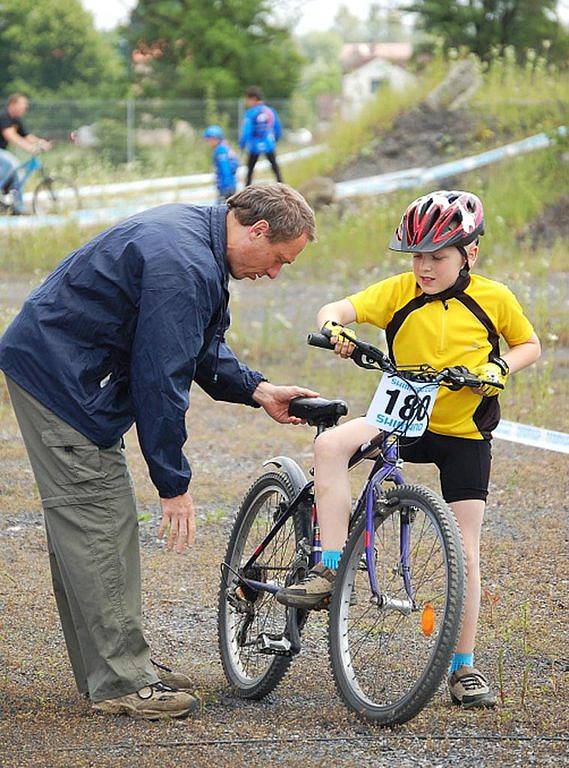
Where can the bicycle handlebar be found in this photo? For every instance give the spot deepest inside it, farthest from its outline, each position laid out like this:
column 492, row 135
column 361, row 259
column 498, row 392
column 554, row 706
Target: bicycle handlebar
column 367, row 356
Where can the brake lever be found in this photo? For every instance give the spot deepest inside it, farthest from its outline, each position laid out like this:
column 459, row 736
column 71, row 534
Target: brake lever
column 359, row 357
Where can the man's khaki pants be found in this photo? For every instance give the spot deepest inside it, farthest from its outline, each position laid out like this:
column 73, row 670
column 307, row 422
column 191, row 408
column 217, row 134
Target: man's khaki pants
column 92, row 537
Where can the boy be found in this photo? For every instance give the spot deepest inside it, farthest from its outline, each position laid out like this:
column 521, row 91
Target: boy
column 439, row 314
column 225, row 162
column 260, row 132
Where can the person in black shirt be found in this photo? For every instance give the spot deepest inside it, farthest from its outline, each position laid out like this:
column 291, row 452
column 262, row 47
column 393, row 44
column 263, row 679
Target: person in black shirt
column 12, row 131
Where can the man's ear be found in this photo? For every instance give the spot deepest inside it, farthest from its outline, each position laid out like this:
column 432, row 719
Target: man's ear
column 259, row 228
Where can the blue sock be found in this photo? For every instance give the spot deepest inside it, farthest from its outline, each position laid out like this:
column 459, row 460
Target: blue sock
column 331, row 558
column 461, row 659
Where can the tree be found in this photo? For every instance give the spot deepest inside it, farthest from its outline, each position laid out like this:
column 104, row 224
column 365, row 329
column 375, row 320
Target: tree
column 47, row 47
column 484, row 25
column 348, row 26
column 375, row 25
column 384, row 24
column 322, row 72
column 192, row 47
column 321, row 47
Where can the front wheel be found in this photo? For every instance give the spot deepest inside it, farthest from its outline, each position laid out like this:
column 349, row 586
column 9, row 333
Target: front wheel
column 55, row 195
column 249, row 620
column 389, row 655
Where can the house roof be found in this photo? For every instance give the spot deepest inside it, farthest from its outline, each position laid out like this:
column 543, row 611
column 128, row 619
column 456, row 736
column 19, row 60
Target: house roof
column 354, row 55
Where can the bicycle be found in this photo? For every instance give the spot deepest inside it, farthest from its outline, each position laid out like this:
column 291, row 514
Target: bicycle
column 397, row 603
column 53, row 194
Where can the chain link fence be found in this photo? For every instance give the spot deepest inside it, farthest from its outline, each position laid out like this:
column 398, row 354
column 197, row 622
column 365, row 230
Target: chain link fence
column 157, row 137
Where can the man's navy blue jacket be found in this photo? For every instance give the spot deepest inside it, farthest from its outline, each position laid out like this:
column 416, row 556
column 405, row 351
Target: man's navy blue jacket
column 121, row 328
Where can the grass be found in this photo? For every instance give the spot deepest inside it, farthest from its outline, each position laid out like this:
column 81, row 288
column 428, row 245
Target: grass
column 522, row 99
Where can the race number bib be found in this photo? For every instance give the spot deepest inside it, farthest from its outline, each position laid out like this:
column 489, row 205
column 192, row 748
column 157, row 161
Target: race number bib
column 399, row 406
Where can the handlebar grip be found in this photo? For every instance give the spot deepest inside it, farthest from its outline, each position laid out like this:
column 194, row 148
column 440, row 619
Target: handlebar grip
column 319, row 340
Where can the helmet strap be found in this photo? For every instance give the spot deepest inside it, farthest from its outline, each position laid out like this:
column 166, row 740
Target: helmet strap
column 458, row 286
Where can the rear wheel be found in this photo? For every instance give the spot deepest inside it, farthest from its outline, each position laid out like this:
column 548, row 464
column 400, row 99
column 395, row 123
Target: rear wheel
column 55, row 195
column 246, row 618
column 389, row 656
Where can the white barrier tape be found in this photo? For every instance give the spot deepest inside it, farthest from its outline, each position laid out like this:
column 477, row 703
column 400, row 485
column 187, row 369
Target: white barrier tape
column 110, row 214
column 174, row 182
column 386, row 182
column 537, row 437
column 412, row 177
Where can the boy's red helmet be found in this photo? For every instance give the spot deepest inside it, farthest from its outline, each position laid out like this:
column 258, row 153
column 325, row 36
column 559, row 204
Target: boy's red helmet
column 438, row 220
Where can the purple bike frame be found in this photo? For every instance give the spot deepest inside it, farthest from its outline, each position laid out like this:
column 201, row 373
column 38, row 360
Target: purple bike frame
column 389, row 469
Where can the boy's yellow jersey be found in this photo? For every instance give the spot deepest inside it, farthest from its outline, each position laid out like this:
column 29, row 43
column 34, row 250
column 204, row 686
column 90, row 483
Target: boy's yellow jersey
column 463, row 330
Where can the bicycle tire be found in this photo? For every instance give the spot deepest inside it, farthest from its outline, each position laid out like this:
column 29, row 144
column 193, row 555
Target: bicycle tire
column 55, row 195
column 425, row 686
column 259, row 686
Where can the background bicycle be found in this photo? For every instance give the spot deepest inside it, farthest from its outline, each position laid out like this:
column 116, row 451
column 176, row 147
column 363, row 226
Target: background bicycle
column 396, row 609
column 54, row 194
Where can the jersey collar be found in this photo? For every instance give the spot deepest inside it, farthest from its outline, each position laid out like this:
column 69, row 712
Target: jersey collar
column 459, row 286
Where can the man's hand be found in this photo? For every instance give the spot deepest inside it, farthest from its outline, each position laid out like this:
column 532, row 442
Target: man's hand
column 275, row 400
column 41, row 145
column 179, row 521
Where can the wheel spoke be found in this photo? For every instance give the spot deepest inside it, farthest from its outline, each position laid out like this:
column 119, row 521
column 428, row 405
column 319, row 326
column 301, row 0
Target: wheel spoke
column 247, row 665
column 381, row 652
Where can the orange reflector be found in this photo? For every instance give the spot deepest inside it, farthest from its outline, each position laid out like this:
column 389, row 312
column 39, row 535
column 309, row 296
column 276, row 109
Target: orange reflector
column 428, row 619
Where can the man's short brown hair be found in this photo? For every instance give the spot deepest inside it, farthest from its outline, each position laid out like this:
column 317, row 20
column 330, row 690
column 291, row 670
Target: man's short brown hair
column 13, row 97
column 287, row 212
column 254, row 92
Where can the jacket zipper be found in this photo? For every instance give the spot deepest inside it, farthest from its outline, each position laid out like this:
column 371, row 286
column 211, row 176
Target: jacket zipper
column 219, row 335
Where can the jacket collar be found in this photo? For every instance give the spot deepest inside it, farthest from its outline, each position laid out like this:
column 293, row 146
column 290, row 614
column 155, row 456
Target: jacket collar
column 218, row 231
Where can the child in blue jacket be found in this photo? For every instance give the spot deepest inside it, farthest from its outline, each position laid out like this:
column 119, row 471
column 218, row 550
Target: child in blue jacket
column 225, row 162
column 260, row 132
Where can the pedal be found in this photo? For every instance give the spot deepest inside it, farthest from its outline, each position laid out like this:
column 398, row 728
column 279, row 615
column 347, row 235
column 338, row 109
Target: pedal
column 274, row 645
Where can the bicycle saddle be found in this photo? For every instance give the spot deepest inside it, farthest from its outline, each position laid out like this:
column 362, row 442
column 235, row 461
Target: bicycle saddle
column 317, row 410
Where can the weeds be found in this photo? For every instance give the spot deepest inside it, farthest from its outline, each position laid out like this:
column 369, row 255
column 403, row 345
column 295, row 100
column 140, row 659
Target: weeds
column 522, row 98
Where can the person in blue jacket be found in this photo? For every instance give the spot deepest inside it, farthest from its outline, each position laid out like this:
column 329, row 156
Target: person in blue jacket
column 225, row 162
column 260, row 132
column 115, row 336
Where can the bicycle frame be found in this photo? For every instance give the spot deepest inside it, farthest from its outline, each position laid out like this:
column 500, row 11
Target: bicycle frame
column 386, row 467
column 29, row 167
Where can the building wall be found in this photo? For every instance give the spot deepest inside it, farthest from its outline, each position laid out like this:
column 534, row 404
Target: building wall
column 362, row 84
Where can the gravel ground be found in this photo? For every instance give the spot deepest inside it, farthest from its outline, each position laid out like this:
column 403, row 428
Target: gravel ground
column 44, row 723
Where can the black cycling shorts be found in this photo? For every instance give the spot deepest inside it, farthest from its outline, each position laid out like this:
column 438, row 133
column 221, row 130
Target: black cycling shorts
column 464, row 465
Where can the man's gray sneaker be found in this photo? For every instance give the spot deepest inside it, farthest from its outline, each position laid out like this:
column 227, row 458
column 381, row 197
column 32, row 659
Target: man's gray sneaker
column 154, row 702
column 469, row 688
column 312, row 591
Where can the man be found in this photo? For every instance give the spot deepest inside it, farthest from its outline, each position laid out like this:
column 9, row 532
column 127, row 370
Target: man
column 12, row 131
column 114, row 336
column 260, row 132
